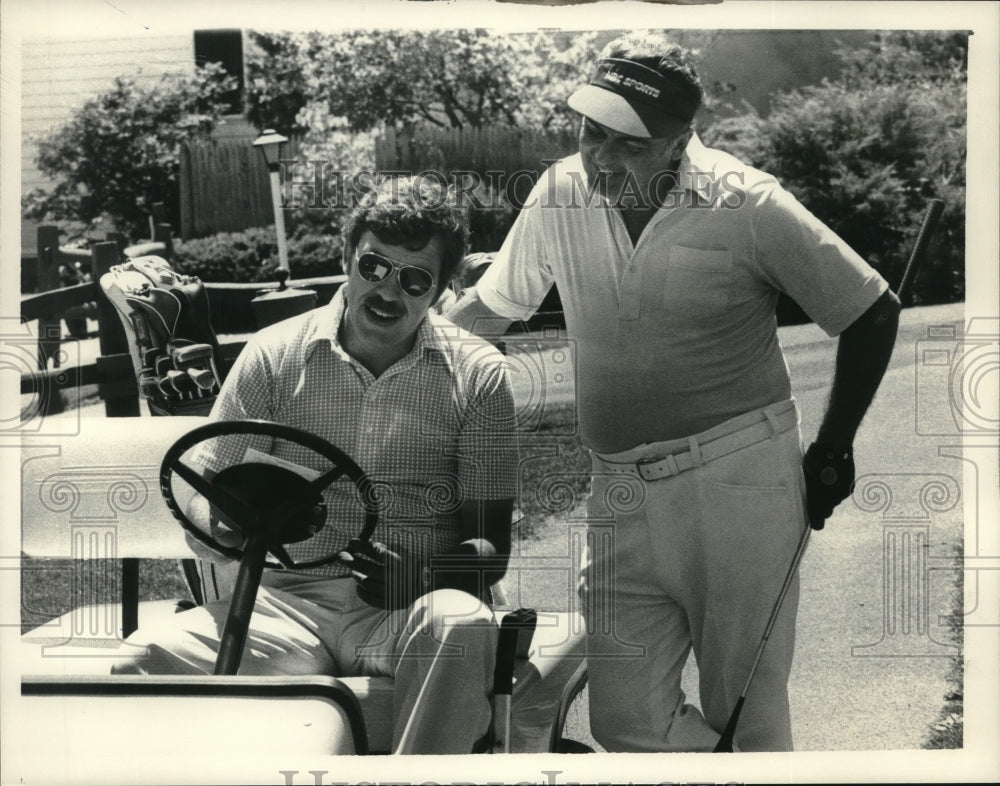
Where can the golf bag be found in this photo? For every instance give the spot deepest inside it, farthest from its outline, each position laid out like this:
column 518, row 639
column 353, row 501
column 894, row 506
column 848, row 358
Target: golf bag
column 175, row 354
column 177, row 361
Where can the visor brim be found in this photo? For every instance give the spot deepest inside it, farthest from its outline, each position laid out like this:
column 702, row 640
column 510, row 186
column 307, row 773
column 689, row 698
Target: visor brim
column 610, row 110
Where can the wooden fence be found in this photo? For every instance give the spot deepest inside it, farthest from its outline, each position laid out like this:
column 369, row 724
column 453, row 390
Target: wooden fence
column 506, row 152
column 224, row 187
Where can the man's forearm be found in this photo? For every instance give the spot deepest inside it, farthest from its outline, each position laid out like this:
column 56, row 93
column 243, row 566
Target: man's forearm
column 471, row 313
column 863, row 355
column 481, row 559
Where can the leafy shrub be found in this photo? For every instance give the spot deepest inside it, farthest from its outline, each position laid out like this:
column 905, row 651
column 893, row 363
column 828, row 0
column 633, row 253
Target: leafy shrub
column 251, row 256
column 866, row 153
column 120, row 152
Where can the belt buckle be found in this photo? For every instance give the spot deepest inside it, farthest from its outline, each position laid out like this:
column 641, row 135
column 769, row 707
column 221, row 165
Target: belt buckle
column 670, row 469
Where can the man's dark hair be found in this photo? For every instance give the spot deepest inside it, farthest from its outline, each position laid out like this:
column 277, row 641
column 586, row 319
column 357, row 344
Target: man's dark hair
column 409, row 212
column 658, row 52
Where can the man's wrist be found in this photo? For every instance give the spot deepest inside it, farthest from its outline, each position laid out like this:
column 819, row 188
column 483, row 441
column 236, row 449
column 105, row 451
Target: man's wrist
column 840, row 448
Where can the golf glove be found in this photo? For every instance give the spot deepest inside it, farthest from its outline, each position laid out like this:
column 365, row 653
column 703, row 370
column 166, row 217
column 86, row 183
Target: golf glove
column 385, row 579
column 829, row 473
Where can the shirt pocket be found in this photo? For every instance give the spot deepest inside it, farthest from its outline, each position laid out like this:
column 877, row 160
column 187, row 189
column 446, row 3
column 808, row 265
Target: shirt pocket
column 697, row 280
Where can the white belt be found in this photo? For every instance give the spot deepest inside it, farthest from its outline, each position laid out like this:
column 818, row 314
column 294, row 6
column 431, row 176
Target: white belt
column 680, row 455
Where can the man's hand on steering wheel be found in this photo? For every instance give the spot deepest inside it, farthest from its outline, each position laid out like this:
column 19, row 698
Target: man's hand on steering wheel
column 386, row 579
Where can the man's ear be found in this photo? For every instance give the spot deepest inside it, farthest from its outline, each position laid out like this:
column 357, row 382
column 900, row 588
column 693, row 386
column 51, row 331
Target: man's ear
column 679, row 145
column 345, row 258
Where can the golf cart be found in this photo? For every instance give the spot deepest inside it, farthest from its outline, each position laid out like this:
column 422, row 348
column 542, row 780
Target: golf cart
column 115, row 489
column 104, row 494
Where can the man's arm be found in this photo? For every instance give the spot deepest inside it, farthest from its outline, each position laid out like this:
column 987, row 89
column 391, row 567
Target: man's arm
column 206, row 519
column 471, row 313
column 393, row 579
column 481, row 559
column 863, row 354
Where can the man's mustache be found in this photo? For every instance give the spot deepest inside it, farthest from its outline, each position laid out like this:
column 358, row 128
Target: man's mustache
column 394, row 308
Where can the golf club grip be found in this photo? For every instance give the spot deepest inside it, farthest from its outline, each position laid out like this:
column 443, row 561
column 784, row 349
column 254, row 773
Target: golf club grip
column 931, row 217
column 510, row 627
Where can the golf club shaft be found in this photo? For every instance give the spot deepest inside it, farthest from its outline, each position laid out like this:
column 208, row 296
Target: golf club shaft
column 725, row 744
column 803, row 542
column 934, row 209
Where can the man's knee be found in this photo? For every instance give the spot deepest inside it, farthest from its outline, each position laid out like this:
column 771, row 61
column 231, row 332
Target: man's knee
column 449, row 608
column 454, row 619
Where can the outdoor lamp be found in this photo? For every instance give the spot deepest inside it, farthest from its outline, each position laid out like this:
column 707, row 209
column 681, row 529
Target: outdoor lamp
column 270, row 146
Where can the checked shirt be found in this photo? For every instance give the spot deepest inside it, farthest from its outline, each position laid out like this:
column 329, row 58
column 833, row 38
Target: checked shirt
column 435, row 429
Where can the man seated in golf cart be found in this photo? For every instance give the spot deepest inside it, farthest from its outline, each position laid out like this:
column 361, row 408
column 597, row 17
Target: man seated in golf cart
column 426, row 410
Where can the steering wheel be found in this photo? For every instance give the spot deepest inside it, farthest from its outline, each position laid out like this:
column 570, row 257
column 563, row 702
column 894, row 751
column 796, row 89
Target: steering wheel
column 244, row 494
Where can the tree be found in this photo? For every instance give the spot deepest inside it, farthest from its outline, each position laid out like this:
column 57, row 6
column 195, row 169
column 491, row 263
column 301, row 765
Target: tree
column 121, row 150
column 339, row 91
column 866, row 151
column 444, row 78
column 276, row 83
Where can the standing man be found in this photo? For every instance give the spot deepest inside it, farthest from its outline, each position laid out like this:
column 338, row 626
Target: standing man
column 669, row 258
column 426, row 410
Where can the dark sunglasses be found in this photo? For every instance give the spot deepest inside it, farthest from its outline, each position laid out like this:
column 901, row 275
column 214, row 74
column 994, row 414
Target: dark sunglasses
column 415, row 281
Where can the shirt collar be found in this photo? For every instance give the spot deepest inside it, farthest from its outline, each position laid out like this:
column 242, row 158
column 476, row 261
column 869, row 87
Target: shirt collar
column 327, row 327
column 694, row 166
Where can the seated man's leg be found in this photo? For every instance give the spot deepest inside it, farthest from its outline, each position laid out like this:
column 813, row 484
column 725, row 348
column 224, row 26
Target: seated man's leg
column 638, row 638
column 441, row 652
column 282, row 639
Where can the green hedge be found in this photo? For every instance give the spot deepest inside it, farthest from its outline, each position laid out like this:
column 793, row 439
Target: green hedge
column 252, row 256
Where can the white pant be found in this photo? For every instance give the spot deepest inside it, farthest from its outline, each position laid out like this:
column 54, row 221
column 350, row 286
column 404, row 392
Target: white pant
column 440, row 652
column 694, row 559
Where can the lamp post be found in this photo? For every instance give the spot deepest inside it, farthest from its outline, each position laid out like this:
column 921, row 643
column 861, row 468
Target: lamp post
column 270, row 145
column 274, row 305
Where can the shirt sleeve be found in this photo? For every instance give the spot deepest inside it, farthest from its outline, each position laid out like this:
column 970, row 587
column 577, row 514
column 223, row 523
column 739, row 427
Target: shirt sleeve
column 516, row 283
column 805, row 259
column 487, row 443
column 247, row 394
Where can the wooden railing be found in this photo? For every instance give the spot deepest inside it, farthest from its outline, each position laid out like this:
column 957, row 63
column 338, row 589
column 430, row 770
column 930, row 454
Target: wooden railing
column 112, row 372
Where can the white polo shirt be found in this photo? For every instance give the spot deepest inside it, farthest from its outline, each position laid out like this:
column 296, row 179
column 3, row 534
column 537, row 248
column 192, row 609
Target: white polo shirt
column 676, row 333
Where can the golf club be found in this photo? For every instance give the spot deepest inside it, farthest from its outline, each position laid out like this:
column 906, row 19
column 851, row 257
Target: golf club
column 514, row 626
column 725, row 744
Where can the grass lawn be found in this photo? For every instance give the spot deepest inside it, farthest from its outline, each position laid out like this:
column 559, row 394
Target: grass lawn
column 947, row 731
